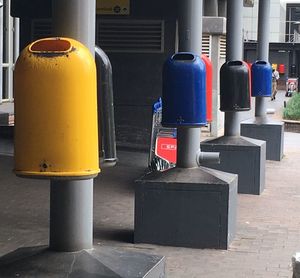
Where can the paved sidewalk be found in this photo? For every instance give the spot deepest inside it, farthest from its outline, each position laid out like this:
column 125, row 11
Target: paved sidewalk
column 268, row 226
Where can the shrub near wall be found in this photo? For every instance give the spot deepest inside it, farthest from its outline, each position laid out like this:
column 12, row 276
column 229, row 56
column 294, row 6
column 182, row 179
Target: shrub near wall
column 292, row 109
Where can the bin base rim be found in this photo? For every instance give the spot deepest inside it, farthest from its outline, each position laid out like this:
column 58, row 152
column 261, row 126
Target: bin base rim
column 58, row 175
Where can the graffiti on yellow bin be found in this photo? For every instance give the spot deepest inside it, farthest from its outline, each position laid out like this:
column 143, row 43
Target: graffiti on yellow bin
column 113, row 7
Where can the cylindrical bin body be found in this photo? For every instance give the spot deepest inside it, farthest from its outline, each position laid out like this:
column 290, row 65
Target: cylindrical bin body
column 184, row 91
column 209, row 75
column 56, row 110
column 249, row 66
column 234, row 87
column 261, row 72
column 281, row 68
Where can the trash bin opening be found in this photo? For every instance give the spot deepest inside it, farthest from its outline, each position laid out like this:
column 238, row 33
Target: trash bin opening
column 235, row 63
column 261, row 62
column 54, row 45
column 183, row 57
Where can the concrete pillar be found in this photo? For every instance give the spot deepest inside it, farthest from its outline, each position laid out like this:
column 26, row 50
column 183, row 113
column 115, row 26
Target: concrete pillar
column 263, row 31
column 234, row 51
column 71, row 202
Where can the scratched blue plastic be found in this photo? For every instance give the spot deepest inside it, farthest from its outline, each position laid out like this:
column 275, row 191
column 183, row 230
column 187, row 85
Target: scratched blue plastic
column 261, row 82
column 184, row 91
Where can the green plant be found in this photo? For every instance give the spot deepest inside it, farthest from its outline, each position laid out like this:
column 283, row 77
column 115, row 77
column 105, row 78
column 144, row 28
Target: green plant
column 292, row 109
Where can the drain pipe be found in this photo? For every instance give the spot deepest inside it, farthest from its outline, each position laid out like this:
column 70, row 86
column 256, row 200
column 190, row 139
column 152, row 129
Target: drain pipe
column 262, row 49
column 190, row 40
column 233, row 52
column 106, row 105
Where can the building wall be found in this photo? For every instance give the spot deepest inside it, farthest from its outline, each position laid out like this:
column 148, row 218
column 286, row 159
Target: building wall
column 277, row 21
column 137, row 77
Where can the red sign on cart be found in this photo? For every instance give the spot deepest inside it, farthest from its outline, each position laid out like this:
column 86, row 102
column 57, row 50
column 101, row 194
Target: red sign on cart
column 166, row 148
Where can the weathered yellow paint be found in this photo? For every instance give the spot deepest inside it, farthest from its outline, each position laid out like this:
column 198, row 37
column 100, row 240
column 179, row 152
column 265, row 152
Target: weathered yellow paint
column 56, row 133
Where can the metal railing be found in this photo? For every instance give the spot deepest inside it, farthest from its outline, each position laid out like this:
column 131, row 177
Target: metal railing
column 9, row 43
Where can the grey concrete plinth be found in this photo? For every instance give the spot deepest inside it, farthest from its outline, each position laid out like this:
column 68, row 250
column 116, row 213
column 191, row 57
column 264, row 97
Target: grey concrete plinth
column 187, row 207
column 102, row 262
column 243, row 156
column 270, row 131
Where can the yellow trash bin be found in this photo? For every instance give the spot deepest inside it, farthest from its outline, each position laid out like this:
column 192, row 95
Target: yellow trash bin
column 56, row 133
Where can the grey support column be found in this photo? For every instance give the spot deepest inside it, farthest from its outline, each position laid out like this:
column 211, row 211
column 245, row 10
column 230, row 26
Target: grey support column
column 234, row 51
column 71, row 217
column 262, row 48
column 188, row 145
column 211, row 8
column 1, row 49
column 190, row 40
column 190, row 26
column 71, row 204
column 75, row 19
column 222, row 8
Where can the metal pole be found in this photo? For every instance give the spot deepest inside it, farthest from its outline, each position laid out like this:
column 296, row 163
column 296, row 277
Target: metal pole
column 71, row 202
column 262, row 48
column 71, row 217
column 222, row 8
column 187, row 147
column 75, row 19
column 16, row 38
column 190, row 26
column 234, row 51
column 211, row 8
column 1, row 49
column 190, row 40
column 234, row 37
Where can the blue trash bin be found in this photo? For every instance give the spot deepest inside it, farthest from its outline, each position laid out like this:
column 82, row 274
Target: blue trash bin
column 261, row 74
column 184, row 91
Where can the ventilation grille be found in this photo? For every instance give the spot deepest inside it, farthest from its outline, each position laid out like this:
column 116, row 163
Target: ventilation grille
column 41, row 28
column 223, row 47
column 130, row 35
column 206, row 45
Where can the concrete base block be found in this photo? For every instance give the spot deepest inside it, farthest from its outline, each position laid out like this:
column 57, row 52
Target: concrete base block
column 264, row 129
column 243, row 156
column 102, row 262
column 193, row 207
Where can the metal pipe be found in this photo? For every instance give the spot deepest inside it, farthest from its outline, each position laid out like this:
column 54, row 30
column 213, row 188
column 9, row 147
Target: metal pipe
column 234, row 36
column 75, row 19
column 16, row 38
column 222, row 8
column 232, row 124
column 211, row 8
column 263, row 31
column 190, row 40
column 1, row 50
column 71, row 204
column 190, row 26
column 260, row 106
column 106, row 101
column 188, row 145
column 207, row 157
column 71, row 215
column 234, row 51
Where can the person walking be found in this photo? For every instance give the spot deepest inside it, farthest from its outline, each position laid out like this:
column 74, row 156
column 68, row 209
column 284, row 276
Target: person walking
column 275, row 77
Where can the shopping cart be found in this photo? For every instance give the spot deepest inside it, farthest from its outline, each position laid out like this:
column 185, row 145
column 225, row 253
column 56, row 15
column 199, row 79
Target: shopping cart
column 163, row 147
